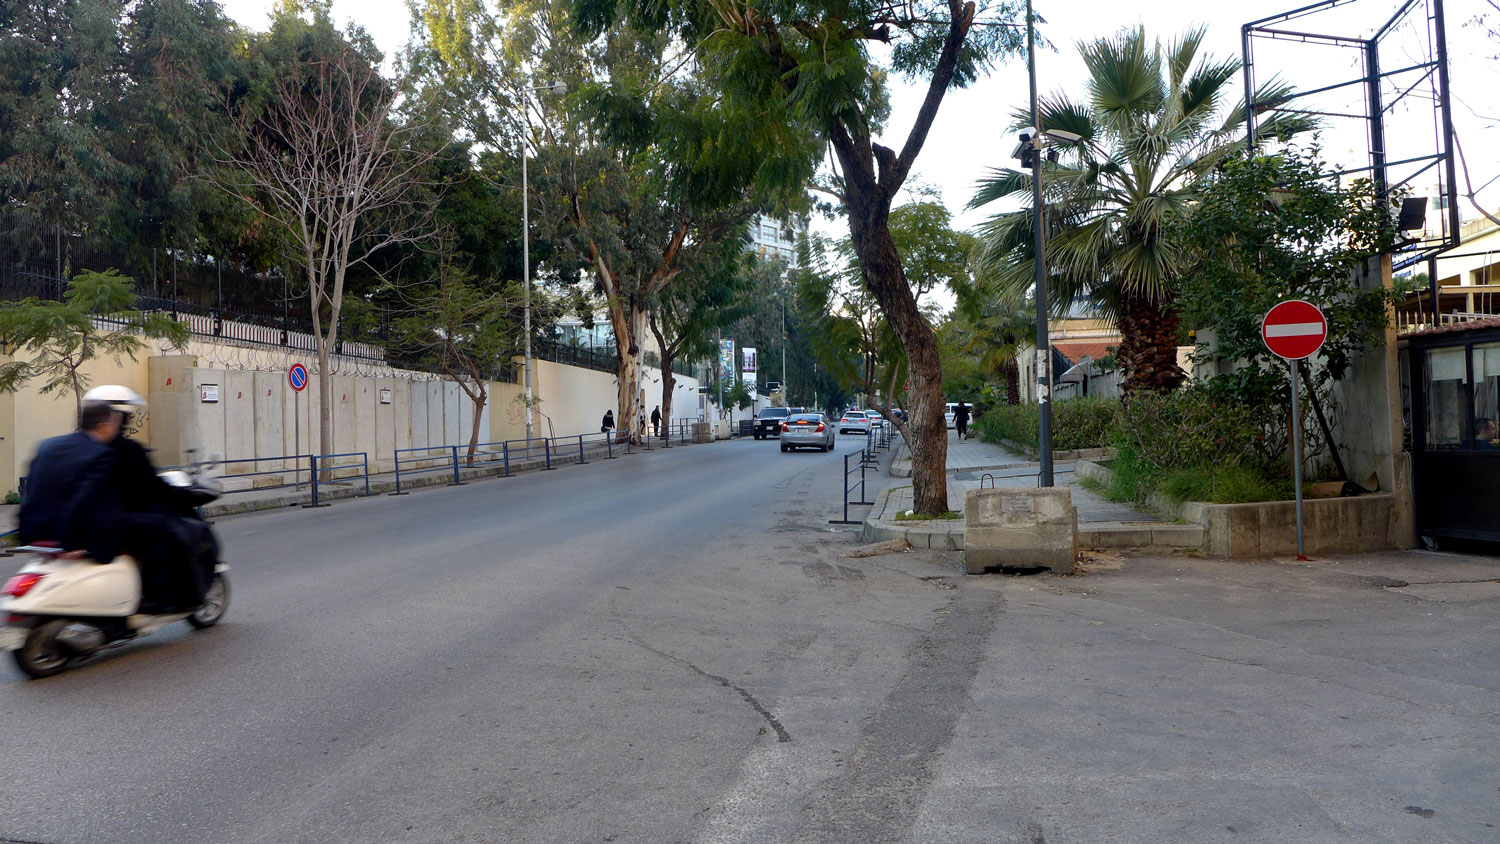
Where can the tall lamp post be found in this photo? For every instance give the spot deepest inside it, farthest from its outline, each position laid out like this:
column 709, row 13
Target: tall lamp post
column 1033, row 141
column 558, row 88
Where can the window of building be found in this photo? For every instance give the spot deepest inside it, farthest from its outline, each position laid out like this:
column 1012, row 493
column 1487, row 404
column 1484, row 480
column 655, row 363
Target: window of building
column 1486, row 394
column 1447, row 402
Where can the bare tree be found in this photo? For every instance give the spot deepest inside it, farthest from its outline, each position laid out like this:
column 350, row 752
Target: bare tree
column 325, row 158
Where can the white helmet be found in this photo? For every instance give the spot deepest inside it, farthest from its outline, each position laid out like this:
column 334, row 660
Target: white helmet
column 120, row 398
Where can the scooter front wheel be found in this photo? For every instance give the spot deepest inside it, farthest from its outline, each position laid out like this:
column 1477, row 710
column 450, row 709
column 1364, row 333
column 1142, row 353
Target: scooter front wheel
column 42, row 655
column 215, row 604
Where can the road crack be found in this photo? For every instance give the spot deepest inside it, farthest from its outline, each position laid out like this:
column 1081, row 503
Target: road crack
column 781, row 732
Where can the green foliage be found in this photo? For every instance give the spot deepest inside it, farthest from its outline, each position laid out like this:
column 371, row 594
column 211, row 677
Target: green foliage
column 96, row 319
column 737, row 394
column 1198, row 444
column 12, row 497
column 1084, row 422
column 1154, row 121
column 1272, row 228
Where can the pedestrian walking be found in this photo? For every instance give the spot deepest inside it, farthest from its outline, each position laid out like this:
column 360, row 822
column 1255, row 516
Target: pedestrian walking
column 961, row 420
column 609, row 421
column 656, row 421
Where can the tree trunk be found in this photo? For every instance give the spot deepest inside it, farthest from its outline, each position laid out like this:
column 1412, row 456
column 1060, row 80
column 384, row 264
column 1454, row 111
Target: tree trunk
column 479, row 402
column 869, row 229
column 668, row 386
column 1012, row 381
column 1148, row 345
column 629, row 322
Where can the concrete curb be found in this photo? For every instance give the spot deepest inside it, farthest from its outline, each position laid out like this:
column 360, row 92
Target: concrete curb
column 900, row 461
column 941, row 534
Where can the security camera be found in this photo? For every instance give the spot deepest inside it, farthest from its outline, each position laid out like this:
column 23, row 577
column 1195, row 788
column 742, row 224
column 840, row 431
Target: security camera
column 1064, row 136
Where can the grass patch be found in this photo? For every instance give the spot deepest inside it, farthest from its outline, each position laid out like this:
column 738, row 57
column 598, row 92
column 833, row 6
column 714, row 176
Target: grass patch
column 1134, row 481
column 950, row 515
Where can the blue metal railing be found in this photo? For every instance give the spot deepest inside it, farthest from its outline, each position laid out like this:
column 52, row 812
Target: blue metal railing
column 330, row 469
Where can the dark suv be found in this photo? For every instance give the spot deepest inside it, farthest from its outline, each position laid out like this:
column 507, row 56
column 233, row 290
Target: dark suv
column 768, row 423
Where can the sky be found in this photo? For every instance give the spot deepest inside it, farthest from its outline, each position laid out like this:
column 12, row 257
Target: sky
column 971, row 132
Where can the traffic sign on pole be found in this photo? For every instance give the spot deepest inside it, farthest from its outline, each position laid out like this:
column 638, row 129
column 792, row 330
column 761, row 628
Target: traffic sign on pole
column 1294, row 330
column 297, row 377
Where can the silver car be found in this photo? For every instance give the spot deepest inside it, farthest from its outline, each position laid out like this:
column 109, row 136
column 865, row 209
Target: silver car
column 812, row 430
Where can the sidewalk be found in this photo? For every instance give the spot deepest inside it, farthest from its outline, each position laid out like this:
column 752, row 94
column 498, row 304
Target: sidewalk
column 973, row 464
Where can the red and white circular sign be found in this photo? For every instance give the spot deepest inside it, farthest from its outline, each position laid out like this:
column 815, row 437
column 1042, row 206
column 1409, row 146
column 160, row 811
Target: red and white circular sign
column 1294, row 330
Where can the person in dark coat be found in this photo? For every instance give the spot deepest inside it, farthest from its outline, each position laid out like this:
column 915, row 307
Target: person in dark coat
column 656, row 421
column 70, row 497
column 176, row 554
column 961, row 420
column 609, row 421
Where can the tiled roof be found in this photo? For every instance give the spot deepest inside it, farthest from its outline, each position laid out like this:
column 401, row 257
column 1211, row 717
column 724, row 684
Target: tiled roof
column 1456, row 328
column 1076, row 352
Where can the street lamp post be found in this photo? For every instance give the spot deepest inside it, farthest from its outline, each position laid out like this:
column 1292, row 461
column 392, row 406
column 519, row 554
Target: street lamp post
column 1039, row 247
column 558, row 88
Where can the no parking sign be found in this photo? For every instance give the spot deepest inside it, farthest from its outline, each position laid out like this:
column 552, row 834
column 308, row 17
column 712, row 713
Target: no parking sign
column 297, row 377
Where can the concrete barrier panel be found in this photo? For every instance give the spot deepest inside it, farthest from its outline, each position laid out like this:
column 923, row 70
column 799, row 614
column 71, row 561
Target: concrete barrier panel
column 456, row 407
column 207, row 428
column 436, row 430
column 238, row 399
column 401, row 412
column 270, row 440
column 418, row 398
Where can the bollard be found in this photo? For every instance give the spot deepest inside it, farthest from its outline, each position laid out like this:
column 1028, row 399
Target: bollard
column 547, row 450
column 581, row 460
column 505, row 455
column 366, row 456
column 609, row 446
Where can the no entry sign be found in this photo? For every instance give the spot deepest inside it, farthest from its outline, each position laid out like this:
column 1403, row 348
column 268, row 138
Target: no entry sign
column 1294, row 330
column 297, row 377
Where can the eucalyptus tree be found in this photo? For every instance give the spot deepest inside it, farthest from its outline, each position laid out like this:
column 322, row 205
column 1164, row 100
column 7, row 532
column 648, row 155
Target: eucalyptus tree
column 1155, row 119
column 812, row 62
column 639, row 174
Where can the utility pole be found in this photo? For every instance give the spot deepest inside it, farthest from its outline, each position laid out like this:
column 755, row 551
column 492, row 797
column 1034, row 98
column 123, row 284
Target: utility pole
column 1039, row 246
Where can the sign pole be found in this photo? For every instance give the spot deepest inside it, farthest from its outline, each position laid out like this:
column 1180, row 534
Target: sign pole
column 1297, row 455
column 1294, row 330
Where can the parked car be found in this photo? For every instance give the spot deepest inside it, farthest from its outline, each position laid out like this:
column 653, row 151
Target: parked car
column 854, row 420
column 876, row 420
column 768, row 423
column 811, row 430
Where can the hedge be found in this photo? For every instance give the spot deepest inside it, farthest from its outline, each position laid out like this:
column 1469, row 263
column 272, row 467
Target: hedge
column 1084, row 422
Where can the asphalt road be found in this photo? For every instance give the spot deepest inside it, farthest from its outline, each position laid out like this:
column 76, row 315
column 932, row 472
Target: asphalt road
column 590, row 654
column 676, row 647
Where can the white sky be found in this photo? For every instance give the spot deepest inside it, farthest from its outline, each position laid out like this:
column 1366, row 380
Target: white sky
column 970, row 133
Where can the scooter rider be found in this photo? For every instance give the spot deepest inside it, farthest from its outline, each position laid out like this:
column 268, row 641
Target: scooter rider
column 170, row 550
column 70, row 496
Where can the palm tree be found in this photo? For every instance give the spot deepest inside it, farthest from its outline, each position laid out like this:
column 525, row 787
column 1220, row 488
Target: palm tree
column 990, row 328
column 1155, row 122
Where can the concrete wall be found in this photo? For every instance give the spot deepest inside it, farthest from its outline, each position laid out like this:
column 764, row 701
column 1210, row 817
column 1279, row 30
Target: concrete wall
column 259, row 416
column 1369, row 428
column 1269, row 529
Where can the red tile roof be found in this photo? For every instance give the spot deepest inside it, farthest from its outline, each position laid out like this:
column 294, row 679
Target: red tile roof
column 1076, row 352
column 1456, row 328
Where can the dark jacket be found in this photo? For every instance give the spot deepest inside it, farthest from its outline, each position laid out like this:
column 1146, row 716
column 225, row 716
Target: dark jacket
column 609, row 421
column 70, row 498
column 135, row 480
column 961, row 413
column 656, row 416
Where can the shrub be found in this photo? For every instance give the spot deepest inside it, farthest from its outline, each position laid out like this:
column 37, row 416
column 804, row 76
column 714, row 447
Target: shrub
column 1198, row 444
column 1085, row 422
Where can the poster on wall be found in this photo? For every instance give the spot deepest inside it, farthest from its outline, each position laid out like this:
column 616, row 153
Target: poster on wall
column 385, row 395
column 209, row 393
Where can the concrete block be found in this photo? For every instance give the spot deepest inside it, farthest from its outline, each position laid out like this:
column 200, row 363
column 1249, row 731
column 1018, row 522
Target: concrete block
column 1016, row 526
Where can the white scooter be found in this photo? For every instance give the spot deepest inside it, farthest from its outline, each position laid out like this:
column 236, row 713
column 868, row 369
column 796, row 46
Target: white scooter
column 62, row 607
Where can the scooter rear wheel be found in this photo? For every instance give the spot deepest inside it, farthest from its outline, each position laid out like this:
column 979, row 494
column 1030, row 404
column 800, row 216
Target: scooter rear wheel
column 215, row 604
column 41, row 655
